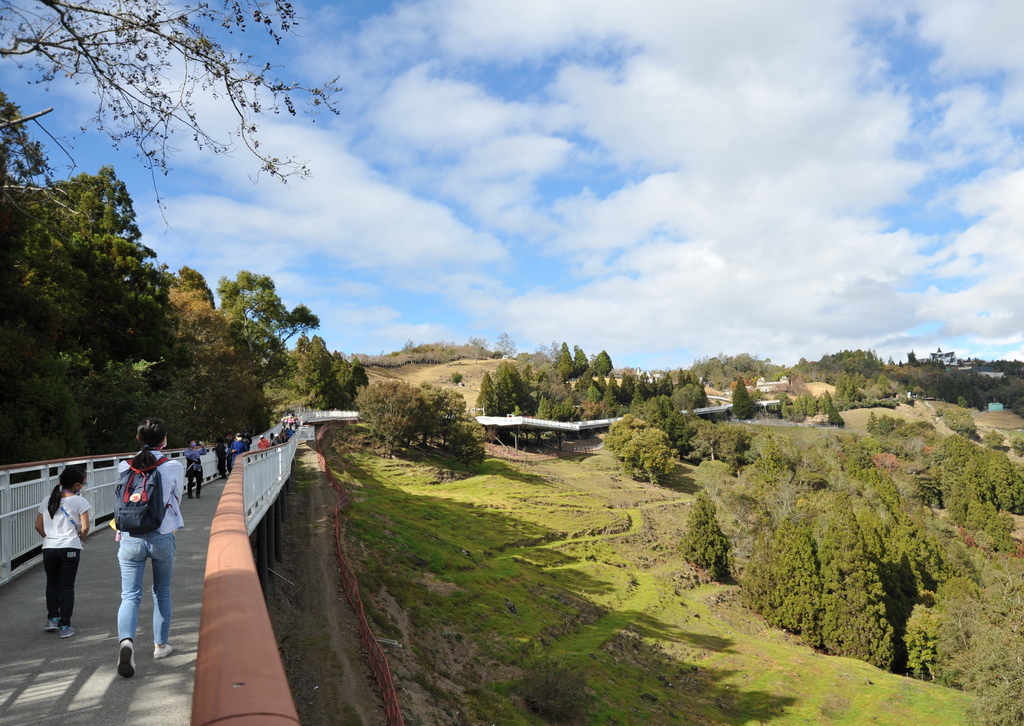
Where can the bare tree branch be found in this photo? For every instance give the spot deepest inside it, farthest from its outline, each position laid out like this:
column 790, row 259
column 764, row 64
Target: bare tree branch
column 23, row 119
column 146, row 60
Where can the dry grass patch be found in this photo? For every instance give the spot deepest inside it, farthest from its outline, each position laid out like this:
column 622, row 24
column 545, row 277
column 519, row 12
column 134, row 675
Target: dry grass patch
column 440, row 374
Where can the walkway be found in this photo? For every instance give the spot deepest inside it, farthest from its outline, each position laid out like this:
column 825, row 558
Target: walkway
column 49, row 680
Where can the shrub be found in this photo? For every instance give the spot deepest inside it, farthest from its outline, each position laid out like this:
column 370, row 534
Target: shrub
column 554, row 691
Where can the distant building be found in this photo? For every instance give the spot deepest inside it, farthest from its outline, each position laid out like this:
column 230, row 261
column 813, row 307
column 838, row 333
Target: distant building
column 770, row 386
column 994, row 406
column 990, row 372
column 947, row 359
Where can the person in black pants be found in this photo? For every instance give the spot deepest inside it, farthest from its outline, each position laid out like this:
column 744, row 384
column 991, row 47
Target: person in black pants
column 194, row 467
column 63, row 523
column 221, row 450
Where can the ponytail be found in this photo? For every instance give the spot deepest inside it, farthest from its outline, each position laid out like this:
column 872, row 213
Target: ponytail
column 54, row 503
column 151, row 434
column 69, row 479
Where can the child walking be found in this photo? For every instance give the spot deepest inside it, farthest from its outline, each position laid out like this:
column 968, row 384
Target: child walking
column 63, row 523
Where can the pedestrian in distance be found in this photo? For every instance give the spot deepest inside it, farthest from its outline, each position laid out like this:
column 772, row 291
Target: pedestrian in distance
column 158, row 546
column 238, row 446
column 221, row 451
column 63, row 523
column 263, row 443
column 194, row 467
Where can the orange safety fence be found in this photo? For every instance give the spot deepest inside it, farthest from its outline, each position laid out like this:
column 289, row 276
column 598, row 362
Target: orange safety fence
column 375, row 655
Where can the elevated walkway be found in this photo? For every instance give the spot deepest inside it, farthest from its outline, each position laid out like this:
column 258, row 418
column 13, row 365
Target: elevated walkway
column 49, row 680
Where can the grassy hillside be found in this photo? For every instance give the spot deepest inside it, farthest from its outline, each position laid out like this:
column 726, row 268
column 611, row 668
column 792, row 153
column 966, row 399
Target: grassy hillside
column 440, row 375
column 484, row 575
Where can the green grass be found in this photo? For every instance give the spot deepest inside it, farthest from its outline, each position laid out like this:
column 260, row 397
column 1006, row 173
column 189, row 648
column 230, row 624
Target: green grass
column 572, row 559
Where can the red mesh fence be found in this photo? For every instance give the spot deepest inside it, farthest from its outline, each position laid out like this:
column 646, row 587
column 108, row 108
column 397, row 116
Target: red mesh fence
column 375, row 655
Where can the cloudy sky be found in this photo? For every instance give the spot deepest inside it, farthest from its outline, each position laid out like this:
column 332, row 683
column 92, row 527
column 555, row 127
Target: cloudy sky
column 663, row 180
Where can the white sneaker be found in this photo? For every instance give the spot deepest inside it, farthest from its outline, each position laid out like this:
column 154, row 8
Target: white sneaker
column 126, row 658
column 162, row 651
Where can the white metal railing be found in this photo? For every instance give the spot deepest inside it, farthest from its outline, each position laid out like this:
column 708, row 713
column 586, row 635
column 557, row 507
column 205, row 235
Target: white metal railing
column 540, row 423
column 23, row 487
column 263, row 476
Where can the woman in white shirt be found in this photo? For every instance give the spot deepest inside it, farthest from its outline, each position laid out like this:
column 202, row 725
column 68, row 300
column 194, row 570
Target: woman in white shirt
column 63, row 523
column 158, row 546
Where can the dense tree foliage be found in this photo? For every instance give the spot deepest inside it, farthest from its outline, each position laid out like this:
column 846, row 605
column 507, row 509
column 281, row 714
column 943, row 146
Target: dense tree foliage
column 97, row 333
column 645, row 451
column 397, row 414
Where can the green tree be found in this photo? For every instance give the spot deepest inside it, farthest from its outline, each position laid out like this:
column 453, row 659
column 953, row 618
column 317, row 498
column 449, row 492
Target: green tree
column 783, row 581
column 602, row 364
column 260, row 321
column 922, row 641
column 853, row 620
column 317, row 375
column 487, row 400
column 645, row 451
column 564, row 365
column 959, row 420
column 580, row 362
column 510, row 394
column 207, row 360
column 704, row 543
column 829, row 409
column 742, row 404
column 392, row 411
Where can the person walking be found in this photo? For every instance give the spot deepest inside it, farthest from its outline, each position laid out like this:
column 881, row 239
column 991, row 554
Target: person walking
column 63, row 523
column 158, row 546
column 194, row 467
column 221, row 451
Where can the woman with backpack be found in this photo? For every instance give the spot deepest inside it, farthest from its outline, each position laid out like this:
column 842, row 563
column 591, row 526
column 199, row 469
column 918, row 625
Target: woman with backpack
column 158, row 545
column 63, row 523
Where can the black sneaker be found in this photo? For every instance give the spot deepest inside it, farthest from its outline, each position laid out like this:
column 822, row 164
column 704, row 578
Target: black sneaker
column 126, row 658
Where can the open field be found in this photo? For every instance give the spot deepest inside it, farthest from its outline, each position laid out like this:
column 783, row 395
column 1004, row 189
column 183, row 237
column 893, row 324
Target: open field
column 481, row 575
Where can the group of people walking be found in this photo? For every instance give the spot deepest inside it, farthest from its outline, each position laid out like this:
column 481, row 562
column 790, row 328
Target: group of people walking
column 63, row 521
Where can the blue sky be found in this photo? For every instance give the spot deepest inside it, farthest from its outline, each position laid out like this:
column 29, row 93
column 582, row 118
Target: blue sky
column 661, row 180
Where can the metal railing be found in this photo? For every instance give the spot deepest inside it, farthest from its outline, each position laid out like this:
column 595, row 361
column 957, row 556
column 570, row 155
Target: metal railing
column 540, row 423
column 23, row 487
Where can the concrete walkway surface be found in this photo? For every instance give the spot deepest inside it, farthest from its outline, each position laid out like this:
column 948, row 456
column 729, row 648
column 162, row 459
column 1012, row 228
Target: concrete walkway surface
column 45, row 679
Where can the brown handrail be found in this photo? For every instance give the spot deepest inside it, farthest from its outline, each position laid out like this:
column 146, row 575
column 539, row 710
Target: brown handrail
column 239, row 674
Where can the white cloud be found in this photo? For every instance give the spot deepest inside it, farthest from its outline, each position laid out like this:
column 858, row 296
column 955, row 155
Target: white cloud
column 649, row 178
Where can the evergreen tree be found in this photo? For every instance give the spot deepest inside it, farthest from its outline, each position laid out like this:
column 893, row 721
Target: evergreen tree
column 602, row 364
column 829, row 409
column 853, row 620
column 564, row 365
column 704, row 544
column 783, row 581
column 486, row 400
column 742, row 404
column 580, row 362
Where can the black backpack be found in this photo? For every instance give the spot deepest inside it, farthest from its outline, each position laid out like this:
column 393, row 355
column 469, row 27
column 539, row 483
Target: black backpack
column 140, row 506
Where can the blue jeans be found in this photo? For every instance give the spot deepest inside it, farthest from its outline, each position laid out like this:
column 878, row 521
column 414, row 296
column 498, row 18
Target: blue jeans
column 132, row 555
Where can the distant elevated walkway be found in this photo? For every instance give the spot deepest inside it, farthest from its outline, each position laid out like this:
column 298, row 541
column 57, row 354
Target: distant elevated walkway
column 539, row 423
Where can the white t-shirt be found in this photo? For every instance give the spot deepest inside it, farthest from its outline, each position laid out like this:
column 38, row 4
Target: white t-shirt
column 172, row 475
column 60, row 532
